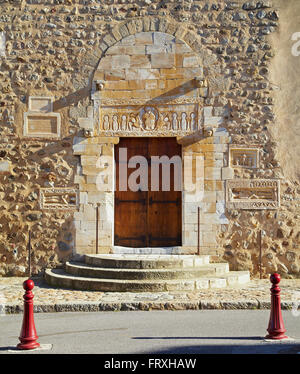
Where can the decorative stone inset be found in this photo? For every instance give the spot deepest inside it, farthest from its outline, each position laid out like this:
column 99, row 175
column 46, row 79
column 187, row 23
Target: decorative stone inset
column 149, row 120
column 40, row 104
column 243, row 157
column 59, row 198
column 41, row 125
column 40, row 121
column 253, row 194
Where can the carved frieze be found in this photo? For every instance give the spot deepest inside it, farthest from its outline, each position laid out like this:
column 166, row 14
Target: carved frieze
column 149, row 120
column 59, row 198
column 253, row 194
column 243, row 157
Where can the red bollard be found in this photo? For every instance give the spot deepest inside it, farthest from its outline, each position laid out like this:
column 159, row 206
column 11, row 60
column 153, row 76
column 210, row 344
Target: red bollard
column 276, row 328
column 28, row 334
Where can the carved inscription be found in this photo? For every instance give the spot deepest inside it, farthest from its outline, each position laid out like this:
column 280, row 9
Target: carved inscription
column 253, row 194
column 59, row 198
column 243, row 157
column 149, row 120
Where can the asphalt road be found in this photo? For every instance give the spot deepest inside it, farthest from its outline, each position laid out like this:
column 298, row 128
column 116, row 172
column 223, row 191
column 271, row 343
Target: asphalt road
column 156, row 332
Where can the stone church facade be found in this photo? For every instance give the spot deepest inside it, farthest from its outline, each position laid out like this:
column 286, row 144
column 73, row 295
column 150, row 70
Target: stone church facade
column 81, row 78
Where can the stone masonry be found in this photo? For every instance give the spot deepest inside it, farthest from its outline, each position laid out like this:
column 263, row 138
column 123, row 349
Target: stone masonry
column 76, row 75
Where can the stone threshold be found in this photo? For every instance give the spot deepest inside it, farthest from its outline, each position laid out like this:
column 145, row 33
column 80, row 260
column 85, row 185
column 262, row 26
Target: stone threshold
column 147, row 306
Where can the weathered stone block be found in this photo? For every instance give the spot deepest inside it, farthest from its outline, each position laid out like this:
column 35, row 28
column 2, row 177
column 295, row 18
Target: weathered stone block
column 227, row 173
column 5, row 166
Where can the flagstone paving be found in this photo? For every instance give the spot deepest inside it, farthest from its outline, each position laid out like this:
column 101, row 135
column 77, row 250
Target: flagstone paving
column 254, row 295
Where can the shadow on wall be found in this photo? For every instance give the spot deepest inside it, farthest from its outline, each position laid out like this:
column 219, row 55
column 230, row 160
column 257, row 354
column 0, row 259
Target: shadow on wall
column 285, row 78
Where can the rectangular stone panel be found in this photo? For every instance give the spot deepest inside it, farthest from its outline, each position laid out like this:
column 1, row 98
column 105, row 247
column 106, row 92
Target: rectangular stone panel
column 243, row 157
column 253, row 194
column 40, row 104
column 149, row 120
column 59, row 198
column 42, row 125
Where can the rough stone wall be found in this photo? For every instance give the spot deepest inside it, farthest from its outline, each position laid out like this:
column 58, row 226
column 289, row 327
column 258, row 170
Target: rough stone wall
column 49, row 48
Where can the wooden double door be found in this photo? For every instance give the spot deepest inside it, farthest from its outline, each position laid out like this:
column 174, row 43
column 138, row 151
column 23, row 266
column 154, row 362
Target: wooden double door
column 147, row 205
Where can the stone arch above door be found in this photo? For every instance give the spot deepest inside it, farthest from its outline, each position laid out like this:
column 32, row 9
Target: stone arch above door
column 104, row 67
column 147, row 84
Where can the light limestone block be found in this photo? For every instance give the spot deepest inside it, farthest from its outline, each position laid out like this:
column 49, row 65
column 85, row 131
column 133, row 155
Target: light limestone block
column 120, row 61
column 162, row 60
column 227, row 173
column 161, row 38
column 83, row 198
column 209, row 237
column 212, row 173
column 190, row 218
column 109, row 40
column 190, row 61
column 144, row 38
column 213, row 121
column 217, row 283
column 210, row 218
column 5, row 166
column 140, row 61
column 128, row 40
column 89, row 160
column 207, row 111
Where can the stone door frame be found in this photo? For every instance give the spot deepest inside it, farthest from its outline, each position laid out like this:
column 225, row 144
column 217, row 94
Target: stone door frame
column 212, row 150
column 209, row 143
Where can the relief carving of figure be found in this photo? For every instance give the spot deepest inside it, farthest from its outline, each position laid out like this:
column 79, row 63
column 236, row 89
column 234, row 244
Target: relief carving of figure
column 115, row 123
column 161, row 125
column 174, row 122
column 184, row 124
column 193, row 122
column 149, row 120
column 123, row 123
column 106, row 125
column 167, row 122
column 134, row 121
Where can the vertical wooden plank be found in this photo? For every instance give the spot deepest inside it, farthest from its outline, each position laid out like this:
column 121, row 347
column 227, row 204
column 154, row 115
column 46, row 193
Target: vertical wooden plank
column 164, row 206
column 130, row 206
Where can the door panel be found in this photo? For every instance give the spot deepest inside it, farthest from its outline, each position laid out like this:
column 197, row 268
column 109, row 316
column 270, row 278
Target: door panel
column 130, row 206
column 164, row 206
column 149, row 218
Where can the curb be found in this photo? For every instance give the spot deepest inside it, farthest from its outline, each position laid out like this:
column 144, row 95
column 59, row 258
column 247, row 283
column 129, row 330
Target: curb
column 147, row 306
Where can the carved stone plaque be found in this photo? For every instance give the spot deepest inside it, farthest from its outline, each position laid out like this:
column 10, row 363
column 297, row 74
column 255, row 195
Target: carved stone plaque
column 243, row 157
column 41, row 125
column 40, row 104
column 149, row 120
column 59, row 198
column 253, row 194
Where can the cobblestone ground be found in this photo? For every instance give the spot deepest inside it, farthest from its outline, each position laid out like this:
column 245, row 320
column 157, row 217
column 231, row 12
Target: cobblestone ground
column 254, row 295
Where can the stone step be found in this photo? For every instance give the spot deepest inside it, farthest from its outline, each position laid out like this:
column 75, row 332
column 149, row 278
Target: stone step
column 84, row 270
column 125, row 261
column 148, row 250
column 59, row 278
